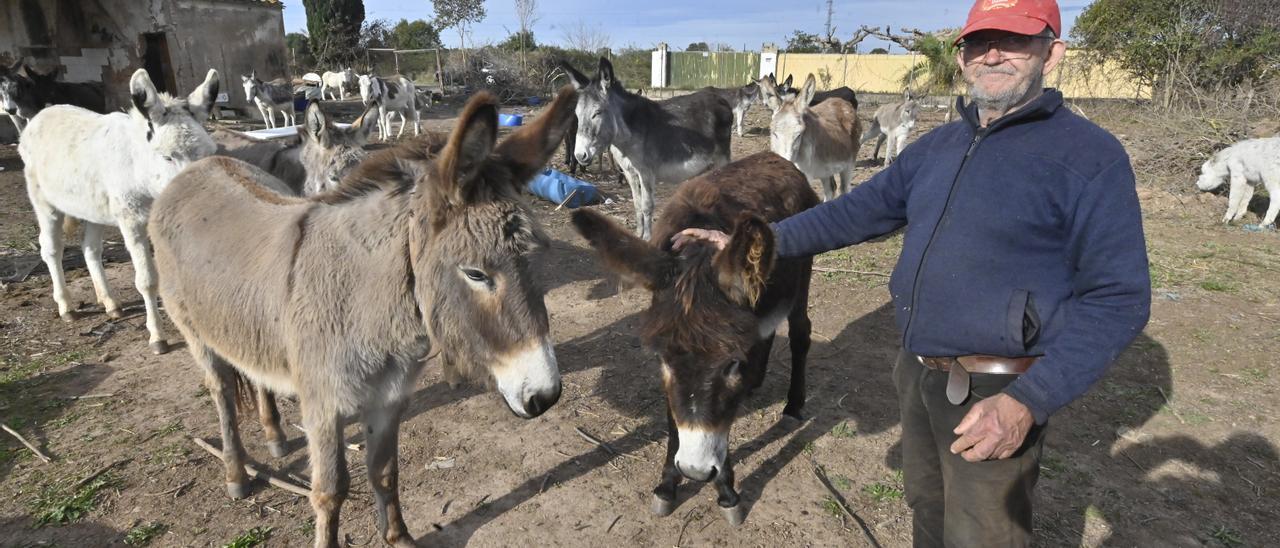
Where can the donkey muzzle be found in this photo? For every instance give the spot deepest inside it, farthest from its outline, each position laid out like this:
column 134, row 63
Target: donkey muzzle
column 701, row 453
column 529, row 380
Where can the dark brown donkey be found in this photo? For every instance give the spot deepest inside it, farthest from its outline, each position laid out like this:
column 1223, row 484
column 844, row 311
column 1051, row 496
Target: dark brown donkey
column 340, row 297
column 713, row 314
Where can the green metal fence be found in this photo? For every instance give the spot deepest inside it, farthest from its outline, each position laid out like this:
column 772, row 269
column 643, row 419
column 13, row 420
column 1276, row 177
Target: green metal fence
column 696, row 69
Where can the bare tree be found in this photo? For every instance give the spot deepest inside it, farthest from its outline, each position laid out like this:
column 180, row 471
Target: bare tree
column 589, row 38
column 527, row 14
column 459, row 14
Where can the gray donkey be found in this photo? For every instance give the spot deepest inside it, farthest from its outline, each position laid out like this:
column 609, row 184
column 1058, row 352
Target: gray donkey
column 664, row 141
column 314, row 162
column 342, row 296
column 892, row 122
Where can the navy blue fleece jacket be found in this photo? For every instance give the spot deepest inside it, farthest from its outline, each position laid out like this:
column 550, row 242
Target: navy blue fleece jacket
column 1022, row 239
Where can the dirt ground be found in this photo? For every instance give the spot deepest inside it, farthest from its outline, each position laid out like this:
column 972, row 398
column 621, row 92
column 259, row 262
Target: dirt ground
column 1177, row 446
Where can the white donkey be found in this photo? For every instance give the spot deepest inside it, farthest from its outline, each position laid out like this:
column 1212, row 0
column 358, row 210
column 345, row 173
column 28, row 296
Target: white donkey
column 821, row 140
column 893, row 123
column 341, row 80
column 106, row 170
column 392, row 95
column 271, row 97
column 1246, row 163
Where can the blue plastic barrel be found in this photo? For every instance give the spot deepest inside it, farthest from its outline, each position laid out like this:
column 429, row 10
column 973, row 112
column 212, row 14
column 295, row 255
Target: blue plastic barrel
column 554, row 186
column 510, row 119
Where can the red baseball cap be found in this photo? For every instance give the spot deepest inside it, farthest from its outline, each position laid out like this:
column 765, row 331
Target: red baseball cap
column 1016, row 16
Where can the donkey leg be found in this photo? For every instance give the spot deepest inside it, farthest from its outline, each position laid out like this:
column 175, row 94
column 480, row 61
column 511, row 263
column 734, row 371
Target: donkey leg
column 220, row 378
column 644, row 205
column 828, row 188
column 329, row 476
column 633, row 180
column 269, row 416
column 51, row 245
column 144, row 277
column 92, row 245
column 799, row 330
column 727, row 497
column 880, row 139
column 1246, row 196
column 1272, row 182
column 846, row 178
column 757, row 363
column 417, row 123
column 664, row 495
column 382, row 460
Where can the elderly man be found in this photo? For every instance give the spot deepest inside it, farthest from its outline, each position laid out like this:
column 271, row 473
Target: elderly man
column 1023, row 274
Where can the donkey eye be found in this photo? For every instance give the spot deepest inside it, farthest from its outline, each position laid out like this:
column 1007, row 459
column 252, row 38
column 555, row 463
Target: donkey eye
column 475, row 275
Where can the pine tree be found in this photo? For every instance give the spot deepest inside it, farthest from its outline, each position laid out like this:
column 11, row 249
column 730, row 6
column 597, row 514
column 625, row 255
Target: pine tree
column 334, row 29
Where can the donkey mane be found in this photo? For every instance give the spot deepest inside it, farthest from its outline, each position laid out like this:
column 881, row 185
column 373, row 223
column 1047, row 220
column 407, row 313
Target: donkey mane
column 695, row 320
column 393, row 170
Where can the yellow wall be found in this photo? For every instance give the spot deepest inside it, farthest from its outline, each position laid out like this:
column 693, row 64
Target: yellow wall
column 883, row 74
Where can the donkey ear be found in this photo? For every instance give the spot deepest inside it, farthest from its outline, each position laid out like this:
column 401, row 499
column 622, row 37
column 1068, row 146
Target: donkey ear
column 529, row 148
column 637, row 261
column 810, row 89
column 143, row 92
column 315, row 124
column 787, row 83
column 744, row 265
column 363, row 127
column 469, row 146
column 202, row 99
column 579, row 79
column 605, row 74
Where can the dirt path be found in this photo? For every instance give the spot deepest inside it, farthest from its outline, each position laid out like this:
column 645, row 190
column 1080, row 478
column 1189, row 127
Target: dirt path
column 1177, row 446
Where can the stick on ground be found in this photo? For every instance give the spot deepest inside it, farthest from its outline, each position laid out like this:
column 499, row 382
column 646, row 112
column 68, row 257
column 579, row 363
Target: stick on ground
column 835, row 495
column 254, row 471
column 24, row 441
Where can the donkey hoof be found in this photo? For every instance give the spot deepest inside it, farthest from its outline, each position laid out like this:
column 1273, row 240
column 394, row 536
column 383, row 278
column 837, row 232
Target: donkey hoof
column 115, row 313
column 734, row 514
column 237, row 491
column 790, row 421
column 69, row 316
column 277, row 449
column 662, row 507
column 159, row 347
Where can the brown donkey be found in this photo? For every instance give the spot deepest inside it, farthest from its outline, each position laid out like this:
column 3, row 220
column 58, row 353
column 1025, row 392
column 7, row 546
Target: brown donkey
column 340, row 297
column 713, row 314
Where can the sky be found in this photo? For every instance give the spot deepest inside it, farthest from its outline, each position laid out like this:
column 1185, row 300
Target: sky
column 739, row 23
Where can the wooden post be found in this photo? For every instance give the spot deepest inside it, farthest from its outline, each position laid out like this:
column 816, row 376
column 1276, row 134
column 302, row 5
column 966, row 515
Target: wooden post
column 439, row 73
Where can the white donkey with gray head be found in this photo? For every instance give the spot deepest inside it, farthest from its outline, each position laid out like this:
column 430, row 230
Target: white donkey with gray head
column 1245, row 164
column 333, row 85
column 821, row 140
column 892, row 122
column 271, row 97
column 105, row 170
column 392, row 95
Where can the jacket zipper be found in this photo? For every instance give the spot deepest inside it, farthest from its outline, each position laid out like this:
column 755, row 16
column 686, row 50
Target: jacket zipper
column 946, row 210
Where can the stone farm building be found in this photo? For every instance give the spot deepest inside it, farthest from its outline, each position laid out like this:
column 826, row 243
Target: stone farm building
column 177, row 41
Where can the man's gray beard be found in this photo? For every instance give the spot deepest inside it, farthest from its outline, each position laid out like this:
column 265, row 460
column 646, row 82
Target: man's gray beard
column 1012, row 97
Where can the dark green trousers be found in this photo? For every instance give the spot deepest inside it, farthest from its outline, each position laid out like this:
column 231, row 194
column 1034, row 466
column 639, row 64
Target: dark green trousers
column 954, row 502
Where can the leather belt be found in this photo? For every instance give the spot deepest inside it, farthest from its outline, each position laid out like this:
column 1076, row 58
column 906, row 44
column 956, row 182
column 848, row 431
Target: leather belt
column 958, row 377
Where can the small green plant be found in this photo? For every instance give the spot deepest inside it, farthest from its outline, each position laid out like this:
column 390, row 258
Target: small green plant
column 1215, row 285
column 881, row 492
column 809, row 448
column 1226, row 536
column 142, row 535
column 897, row 477
column 831, row 506
column 57, row 506
column 844, row 430
column 1052, row 466
column 250, row 538
column 842, row 483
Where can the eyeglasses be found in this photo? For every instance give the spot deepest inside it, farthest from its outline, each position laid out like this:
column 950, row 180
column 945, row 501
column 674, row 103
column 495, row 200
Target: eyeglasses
column 1011, row 46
